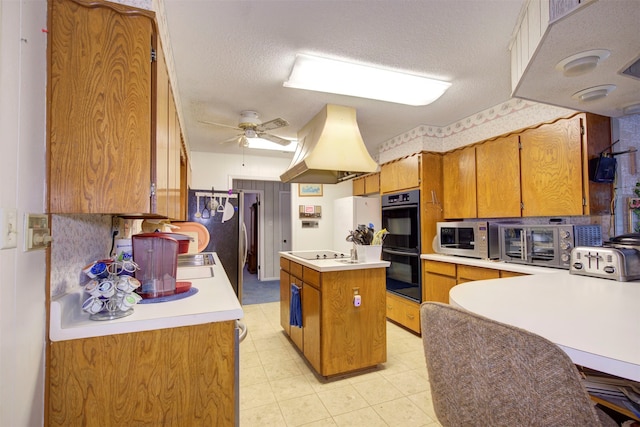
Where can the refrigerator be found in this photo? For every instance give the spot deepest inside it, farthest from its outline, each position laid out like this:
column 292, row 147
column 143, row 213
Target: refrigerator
column 226, row 229
column 348, row 213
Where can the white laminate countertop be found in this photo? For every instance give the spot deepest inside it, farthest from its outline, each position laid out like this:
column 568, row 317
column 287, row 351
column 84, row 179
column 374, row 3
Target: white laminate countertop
column 595, row 321
column 215, row 301
column 496, row 265
column 324, row 265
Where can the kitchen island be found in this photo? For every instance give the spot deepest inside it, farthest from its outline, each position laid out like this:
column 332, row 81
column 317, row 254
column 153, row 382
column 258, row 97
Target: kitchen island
column 169, row 363
column 342, row 308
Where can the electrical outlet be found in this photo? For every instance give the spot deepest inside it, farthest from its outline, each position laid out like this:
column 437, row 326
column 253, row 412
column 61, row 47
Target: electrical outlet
column 36, row 232
column 115, row 226
column 8, row 228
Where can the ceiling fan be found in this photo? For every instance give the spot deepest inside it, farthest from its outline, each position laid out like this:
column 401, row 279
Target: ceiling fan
column 251, row 127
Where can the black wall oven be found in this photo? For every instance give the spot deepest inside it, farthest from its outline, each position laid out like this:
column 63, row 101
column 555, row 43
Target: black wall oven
column 401, row 247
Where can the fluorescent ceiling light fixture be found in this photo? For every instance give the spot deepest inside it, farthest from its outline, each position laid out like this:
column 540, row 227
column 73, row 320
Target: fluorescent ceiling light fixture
column 582, row 63
column 263, row 144
column 593, row 93
column 345, row 78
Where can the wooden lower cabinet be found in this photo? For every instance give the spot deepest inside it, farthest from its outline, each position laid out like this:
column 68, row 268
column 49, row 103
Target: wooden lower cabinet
column 438, row 278
column 177, row 376
column 404, row 312
column 336, row 337
column 467, row 273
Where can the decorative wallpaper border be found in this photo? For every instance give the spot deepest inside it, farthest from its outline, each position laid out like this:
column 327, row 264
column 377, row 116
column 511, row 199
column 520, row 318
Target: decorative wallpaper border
column 508, row 116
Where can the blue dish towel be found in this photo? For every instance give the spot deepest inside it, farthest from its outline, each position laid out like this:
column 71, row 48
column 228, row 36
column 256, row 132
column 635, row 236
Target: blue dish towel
column 295, row 310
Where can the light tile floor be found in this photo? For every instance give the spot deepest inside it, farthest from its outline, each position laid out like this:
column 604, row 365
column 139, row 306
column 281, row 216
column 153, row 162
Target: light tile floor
column 278, row 388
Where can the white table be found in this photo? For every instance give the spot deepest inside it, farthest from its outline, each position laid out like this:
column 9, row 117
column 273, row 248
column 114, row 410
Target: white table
column 595, row 321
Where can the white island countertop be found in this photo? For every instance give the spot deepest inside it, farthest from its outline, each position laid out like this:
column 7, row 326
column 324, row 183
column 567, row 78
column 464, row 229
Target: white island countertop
column 215, row 301
column 340, row 264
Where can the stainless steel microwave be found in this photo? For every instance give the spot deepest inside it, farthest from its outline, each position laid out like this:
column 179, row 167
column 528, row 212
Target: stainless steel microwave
column 473, row 239
column 545, row 245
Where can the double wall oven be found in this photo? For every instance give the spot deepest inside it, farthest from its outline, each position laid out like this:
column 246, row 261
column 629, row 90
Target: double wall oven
column 401, row 247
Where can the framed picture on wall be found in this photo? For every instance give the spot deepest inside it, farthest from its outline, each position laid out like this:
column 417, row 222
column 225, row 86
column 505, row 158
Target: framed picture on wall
column 306, row 190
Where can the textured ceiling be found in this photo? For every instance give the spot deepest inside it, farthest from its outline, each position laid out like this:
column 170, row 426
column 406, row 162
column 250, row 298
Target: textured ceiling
column 234, row 55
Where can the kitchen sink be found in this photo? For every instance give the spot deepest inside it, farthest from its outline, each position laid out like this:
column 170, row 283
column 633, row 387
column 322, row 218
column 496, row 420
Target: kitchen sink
column 196, row 260
column 197, row 272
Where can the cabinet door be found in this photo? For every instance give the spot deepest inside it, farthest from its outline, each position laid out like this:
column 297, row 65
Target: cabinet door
column 311, row 323
column 161, row 170
column 372, row 183
column 498, row 178
column 173, row 161
column 401, row 174
column 358, row 187
column 99, row 109
column 431, row 196
column 551, row 164
column 296, row 333
column 285, row 301
column 437, row 287
column 459, row 181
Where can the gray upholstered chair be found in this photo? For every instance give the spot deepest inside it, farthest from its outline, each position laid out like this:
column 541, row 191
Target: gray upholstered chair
column 485, row 373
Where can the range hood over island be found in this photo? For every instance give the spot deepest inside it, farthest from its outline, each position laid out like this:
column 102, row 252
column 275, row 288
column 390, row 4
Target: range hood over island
column 330, row 149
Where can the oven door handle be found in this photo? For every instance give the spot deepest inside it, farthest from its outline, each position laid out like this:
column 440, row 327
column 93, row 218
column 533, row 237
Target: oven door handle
column 402, row 253
column 393, row 208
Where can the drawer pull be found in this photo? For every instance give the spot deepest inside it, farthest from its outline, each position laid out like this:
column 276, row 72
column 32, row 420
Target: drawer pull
column 411, row 316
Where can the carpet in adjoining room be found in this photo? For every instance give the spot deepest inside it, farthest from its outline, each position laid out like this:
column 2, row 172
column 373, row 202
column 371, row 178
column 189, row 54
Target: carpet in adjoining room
column 259, row 292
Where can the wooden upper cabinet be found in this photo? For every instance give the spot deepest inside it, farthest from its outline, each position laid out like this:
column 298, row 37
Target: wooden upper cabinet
column 358, row 187
column 114, row 138
column 459, row 181
column 367, row 184
column 100, row 108
column 168, row 145
column 498, row 178
column 551, row 169
column 175, row 147
column 163, row 95
column 400, row 174
column 431, row 196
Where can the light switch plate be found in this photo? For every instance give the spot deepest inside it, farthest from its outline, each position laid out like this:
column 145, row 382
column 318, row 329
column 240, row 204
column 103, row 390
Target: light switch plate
column 8, row 228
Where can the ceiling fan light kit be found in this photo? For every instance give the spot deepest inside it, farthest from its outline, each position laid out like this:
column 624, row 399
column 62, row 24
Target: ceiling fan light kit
column 346, row 78
column 252, row 129
column 582, row 63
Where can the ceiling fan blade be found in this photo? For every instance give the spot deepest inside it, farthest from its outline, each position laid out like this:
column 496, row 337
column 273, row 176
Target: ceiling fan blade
column 272, row 124
column 232, row 139
column 273, row 138
column 219, row 124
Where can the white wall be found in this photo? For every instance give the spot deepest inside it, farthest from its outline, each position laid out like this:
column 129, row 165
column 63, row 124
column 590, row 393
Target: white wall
column 321, row 238
column 218, row 170
column 22, row 274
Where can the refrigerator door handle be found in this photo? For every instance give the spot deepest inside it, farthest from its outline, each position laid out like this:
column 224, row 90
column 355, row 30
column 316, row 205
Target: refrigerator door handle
column 246, row 243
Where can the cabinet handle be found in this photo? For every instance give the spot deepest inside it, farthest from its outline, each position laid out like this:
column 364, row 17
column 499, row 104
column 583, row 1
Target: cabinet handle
column 411, row 316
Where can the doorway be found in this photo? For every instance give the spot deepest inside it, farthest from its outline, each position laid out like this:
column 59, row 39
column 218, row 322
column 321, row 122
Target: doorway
column 273, row 223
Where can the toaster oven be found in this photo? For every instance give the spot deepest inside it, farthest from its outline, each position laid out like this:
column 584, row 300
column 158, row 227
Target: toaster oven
column 545, row 245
